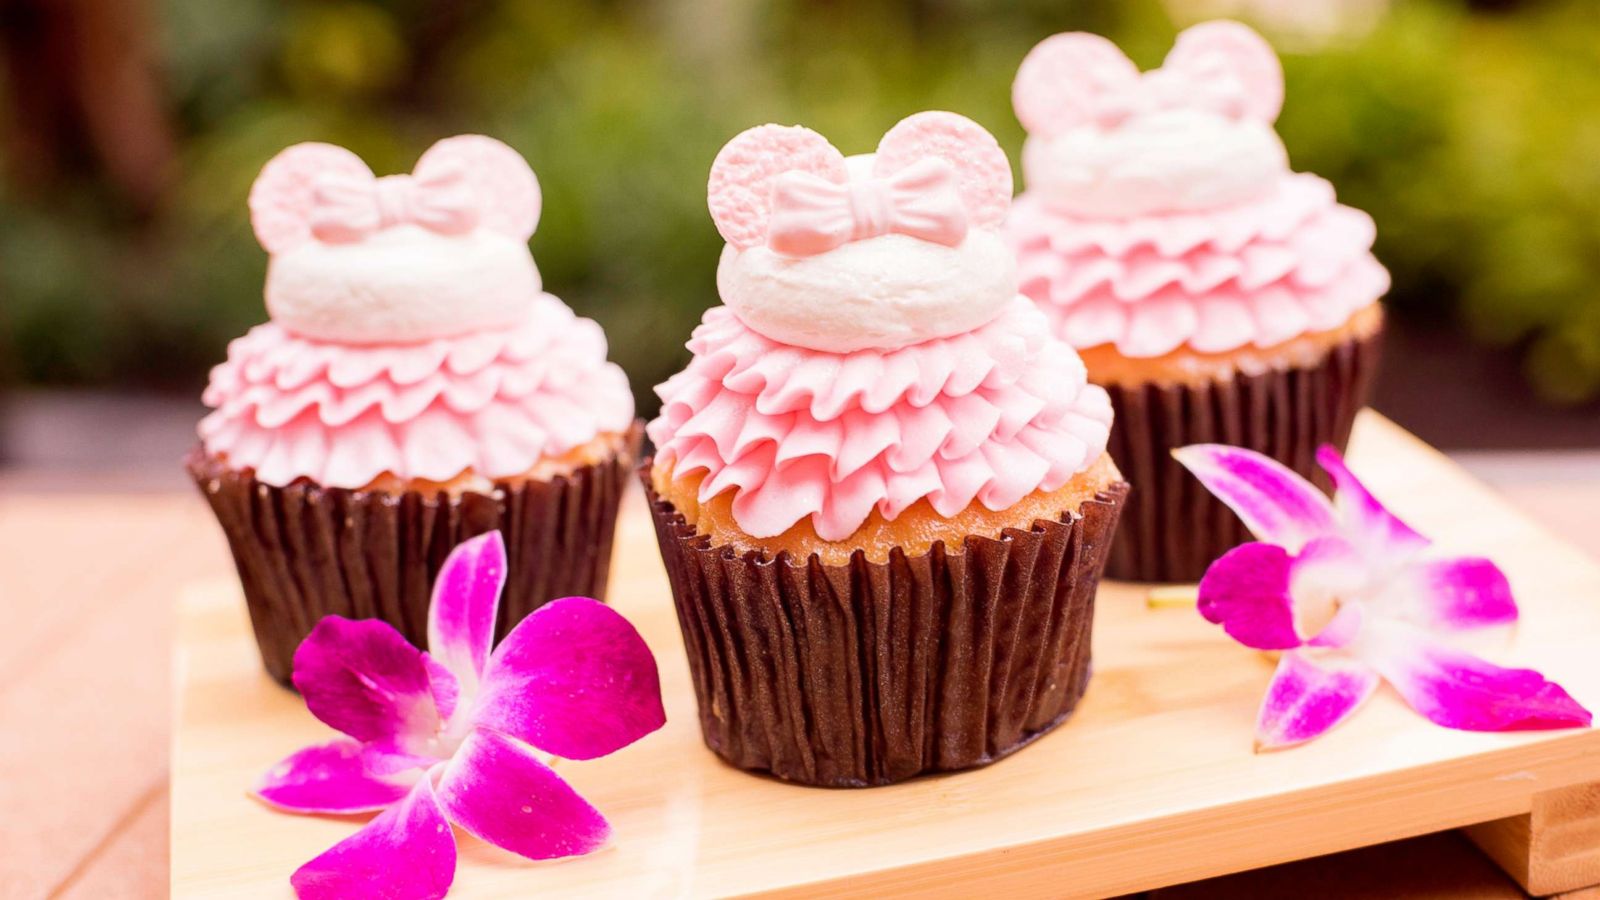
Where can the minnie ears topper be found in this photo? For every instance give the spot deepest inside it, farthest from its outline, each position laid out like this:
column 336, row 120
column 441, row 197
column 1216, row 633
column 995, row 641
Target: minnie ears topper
column 320, row 192
column 935, row 175
column 1079, row 78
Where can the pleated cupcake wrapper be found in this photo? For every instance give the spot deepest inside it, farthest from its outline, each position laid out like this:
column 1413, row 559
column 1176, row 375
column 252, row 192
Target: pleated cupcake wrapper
column 867, row 673
column 304, row 551
column 1173, row 528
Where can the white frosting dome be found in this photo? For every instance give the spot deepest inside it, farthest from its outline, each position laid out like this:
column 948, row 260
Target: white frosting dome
column 886, row 292
column 404, row 283
column 1174, row 160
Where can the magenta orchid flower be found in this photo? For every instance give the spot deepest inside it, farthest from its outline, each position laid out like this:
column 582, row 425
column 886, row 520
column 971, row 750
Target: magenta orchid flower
column 1345, row 589
column 454, row 736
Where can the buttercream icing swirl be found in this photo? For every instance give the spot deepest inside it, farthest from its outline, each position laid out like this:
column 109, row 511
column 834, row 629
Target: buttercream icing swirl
column 1255, row 274
column 987, row 416
column 493, row 403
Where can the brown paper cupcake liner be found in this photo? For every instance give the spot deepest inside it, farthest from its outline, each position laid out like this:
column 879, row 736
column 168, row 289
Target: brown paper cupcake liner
column 864, row 673
column 1173, row 528
column 304, row 551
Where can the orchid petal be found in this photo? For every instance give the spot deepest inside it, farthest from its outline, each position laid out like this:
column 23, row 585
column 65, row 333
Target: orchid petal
column 1324, row 579
column 362, row 678
column 1306, row 699
column 466, row 598
column 573, row 679
column 1267, row 599
column 1247, row 593
column 338, row 778
column 1453, row 594
column 407, row 853
column 1455, row 689
column 1342, row 629
column 498, row 790
column 443, row 685
column 1364, row 518
column 1276, row 504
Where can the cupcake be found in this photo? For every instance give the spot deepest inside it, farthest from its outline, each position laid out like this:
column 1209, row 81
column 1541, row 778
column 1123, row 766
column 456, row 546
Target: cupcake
column 880, row 486
column 1218, row 296
column 414, row 387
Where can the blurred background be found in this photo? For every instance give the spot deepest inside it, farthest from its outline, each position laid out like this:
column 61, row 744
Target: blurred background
column 130, row 131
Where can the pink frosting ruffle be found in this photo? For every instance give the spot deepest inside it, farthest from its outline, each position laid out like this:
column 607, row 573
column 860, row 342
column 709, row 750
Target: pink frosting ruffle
column 493, row 402
column 1260, row 273
column 992, row 415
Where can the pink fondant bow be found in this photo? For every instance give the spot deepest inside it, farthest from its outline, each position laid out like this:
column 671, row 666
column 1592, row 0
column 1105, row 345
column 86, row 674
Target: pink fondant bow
column 349, row 207
column 1201, row 86
column 314, row 191
column 812, row 215
column 1220, row 67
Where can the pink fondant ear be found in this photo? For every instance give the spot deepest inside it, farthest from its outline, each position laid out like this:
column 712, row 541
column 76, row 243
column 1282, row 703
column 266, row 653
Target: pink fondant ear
column 504, row 189
column 1060, row 80
column 739, row 193
column 980, row 164
column 283, row 194
column 1234, row 63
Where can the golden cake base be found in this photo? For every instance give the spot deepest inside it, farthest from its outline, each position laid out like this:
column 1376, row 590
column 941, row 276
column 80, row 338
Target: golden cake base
column 1152, row 782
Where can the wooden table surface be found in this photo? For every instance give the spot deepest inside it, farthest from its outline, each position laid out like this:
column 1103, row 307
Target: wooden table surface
column 88, row 576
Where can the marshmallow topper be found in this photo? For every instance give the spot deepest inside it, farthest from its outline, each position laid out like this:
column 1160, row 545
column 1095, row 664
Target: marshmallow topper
column 1108, row 140
column 877, row 251
column 357, row 258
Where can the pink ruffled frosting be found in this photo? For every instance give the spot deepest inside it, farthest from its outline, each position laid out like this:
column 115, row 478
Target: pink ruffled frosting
column 493, row 402
column 991, row 415
column 1257, row 273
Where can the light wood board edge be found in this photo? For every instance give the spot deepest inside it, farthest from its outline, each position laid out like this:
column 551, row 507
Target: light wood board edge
column 1553, row 848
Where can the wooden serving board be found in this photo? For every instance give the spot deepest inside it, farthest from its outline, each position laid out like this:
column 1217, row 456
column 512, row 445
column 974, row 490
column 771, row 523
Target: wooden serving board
column 1153, row 782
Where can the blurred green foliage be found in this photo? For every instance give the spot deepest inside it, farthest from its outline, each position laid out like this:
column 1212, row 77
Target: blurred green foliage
column 1472, row 137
